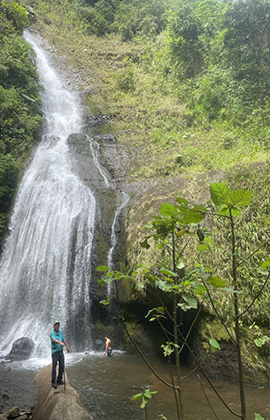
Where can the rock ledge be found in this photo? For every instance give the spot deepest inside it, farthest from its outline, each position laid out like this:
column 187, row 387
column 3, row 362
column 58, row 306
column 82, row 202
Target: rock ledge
column 57, row 404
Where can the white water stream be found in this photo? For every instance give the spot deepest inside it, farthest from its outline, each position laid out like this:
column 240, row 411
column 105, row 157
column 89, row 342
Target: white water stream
column 46, row 263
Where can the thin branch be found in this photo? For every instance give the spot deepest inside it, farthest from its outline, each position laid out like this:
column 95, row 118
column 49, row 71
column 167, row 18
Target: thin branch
column 255, row 298
column 210, row 382
column 207, row 399
column 144, row 358
column 137, row 347
column 215, row 214
column 254, row 252
column 175, row 389
column 191, row 327
column 194, row 370
column 217, row 313
column 165, row 330
column 184, row 247
column 200, row 366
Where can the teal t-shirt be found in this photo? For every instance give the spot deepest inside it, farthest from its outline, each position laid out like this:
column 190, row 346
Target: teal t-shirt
column 60, row 337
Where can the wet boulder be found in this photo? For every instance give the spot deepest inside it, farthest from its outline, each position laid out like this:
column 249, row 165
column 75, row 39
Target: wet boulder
column 21, row 349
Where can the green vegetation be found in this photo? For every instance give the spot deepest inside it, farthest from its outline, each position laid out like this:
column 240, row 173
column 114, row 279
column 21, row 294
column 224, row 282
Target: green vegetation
column 182, row 282
column 19, row 102
column 170, row 75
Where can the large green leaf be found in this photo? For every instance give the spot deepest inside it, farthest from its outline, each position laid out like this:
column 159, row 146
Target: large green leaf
column 216, row 281
column 191, row 301
column 226, row 211
column 191, row 215
column 239, row 198
column 167, row 209
column 164, row 285
column 164, row 270
column 219, row 192
column 202, row 247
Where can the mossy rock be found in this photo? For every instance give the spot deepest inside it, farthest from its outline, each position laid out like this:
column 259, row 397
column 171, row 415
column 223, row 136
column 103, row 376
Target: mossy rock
column 222, row 363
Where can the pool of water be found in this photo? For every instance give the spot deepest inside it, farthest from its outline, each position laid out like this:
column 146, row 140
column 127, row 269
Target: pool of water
column 107, row 384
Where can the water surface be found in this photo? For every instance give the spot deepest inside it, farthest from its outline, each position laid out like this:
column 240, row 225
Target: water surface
column 107, row 384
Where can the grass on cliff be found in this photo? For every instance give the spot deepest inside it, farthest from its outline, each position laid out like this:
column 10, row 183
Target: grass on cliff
column 123, row 80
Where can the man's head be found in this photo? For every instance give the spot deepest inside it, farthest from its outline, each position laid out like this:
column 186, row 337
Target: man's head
column 56, row 326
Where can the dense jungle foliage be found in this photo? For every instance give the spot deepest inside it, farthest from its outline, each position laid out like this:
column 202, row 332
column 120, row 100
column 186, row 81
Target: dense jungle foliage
column 19, row 101
column 215, row 54
column 185, row 83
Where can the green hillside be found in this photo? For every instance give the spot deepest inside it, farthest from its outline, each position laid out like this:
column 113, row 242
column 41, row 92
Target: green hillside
column 183, row 82
column 20, row 114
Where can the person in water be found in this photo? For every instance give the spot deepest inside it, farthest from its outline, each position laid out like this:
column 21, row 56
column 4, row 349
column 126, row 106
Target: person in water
column 58, row 343
column 108, row 346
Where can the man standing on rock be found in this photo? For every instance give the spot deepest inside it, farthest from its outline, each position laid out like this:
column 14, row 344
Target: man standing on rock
column 58, row 343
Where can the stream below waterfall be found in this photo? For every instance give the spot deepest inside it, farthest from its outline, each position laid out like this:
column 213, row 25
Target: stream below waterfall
column 106, row 385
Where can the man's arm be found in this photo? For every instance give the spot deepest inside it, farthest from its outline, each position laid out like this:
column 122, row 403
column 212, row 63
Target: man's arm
column 66, row 344
column 59, row 342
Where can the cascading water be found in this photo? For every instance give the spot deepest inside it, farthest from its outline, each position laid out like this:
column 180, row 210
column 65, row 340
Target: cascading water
column 94, row 147
column 46, row 262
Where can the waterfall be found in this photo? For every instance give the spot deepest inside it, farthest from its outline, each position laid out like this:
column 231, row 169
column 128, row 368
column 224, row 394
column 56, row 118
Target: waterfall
column 114, row 229
column 95, row 147
column 114, row 235
column 45, row 267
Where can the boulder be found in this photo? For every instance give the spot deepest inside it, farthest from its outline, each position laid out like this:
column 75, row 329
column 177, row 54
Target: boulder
column 59, row 404
column 21, row 349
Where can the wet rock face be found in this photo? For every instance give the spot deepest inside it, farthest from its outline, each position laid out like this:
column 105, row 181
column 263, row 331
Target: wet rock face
column 21, row 349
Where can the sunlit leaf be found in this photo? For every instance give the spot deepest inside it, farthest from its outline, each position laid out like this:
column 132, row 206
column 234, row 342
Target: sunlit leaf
column 105, row 302
column 181, row 232
column 258, row 417
column 167, row 209
column 216, row 281
column 266, row 264
column 226, row 211
column 136, row 397
column 181, row 200
column 239, row 198
column 103, row 268
column 213, row 343
column 164, row 285
column 219, row 192
column 191, row 215
column 202, row 247
column 168, row 272
column 191, row 301
column 180, row 265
